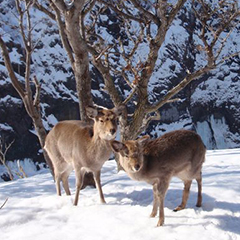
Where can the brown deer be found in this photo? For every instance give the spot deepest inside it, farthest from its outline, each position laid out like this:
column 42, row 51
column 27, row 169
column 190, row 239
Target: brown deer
column 178, row 153
column 76, row 145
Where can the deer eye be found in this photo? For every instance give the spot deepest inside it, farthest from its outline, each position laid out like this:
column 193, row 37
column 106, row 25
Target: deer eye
column 101, row 121
column 126, row 154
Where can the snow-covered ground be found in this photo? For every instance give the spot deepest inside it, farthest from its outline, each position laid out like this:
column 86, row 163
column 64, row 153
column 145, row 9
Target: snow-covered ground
column 34, row 211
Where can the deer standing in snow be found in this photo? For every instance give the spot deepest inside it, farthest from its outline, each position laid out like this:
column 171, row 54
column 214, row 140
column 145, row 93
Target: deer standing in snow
column 178, row 153
column 76, row 145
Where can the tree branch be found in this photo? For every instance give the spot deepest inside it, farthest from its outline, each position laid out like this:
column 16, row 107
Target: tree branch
column 147, row 120
column 36, row 101
column 120, row 12
column 62, row 31
column 26, row 93
column 44, row 10
column 175, row 10
column 147, row 14
column 189, row 78
column 8, row 64
column 3, row 151
column 60, row 4
column 109, row 83
column 227, row 57
column 130, row 96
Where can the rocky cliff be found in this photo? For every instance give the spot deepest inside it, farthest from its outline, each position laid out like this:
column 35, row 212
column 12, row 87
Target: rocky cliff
column 210, row 105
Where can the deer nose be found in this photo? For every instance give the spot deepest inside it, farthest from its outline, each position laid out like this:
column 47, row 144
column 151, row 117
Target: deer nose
column 137, row 167
column 112, row 131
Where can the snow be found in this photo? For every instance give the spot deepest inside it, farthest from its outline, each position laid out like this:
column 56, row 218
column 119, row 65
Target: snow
column 215, row 90
column 214, row 131
column 50, row 122
column 218, row 135
column 34, row 211
column 5, row 127
column 29, row 167
column 11, row 100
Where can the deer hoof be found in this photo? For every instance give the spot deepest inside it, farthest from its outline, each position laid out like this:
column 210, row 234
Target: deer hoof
column 153, row 214
column 160, row 223
column 178, row 208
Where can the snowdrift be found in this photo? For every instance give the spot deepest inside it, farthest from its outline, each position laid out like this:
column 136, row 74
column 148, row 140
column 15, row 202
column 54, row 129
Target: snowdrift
column 34, row 211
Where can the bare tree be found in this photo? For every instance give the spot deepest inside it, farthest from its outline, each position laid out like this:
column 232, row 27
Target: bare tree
column 4, row 148
column 31, row 103
column 78, row 56
column 215, row 21
column 3, row 151
column 69, row 17
column 78, row 22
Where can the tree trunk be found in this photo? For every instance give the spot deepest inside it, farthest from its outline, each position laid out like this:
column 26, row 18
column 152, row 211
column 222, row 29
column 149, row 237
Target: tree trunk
column 81, row 72
column 81, row 62
column 41, row 133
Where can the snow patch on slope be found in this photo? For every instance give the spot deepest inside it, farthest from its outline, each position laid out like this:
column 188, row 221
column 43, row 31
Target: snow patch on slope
column 34, row 205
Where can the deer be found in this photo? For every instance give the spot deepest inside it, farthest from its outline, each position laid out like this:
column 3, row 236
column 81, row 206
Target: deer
column 76, row 145
column 178, row 153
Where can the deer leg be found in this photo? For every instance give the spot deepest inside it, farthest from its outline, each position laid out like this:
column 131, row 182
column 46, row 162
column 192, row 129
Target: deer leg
column 97, row 180
column 58, row 187
column 187, row 185
column 162, row 189
column 79, row 181
column 199, row 183
column 65, row 183
column 155, row 201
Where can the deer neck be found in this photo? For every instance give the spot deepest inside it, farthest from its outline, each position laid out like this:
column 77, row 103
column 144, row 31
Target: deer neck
column 98, row 144
column 96, row 139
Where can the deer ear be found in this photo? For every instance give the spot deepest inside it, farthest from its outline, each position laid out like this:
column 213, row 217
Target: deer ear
column 119, row 147
column 92, row 112
column 119, row 110
column 144, row 139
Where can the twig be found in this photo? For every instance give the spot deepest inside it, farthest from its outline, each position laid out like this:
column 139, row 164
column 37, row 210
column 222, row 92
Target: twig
column 130, row 95
column 4, row 203
column 36, row 101
column 103, row 52
column 21, row 169
column 3, row 151
column 148, row 119
column 173, row 100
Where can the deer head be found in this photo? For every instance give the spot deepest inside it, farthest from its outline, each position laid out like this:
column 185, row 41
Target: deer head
column 105, row 121
column 130, row 153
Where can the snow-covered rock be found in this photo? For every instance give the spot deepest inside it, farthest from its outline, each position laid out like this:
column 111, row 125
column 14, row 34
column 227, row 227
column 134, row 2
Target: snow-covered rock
column 209, row 105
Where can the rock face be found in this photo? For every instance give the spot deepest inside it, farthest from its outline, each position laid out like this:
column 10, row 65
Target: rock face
column 210, row 105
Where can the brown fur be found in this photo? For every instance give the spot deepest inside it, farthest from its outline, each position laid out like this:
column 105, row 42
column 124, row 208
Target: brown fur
column 178, row 153
column 82, row 147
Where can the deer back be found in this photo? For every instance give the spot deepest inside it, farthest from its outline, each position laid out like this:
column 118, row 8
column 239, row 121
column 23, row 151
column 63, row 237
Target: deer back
column 177, row 153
